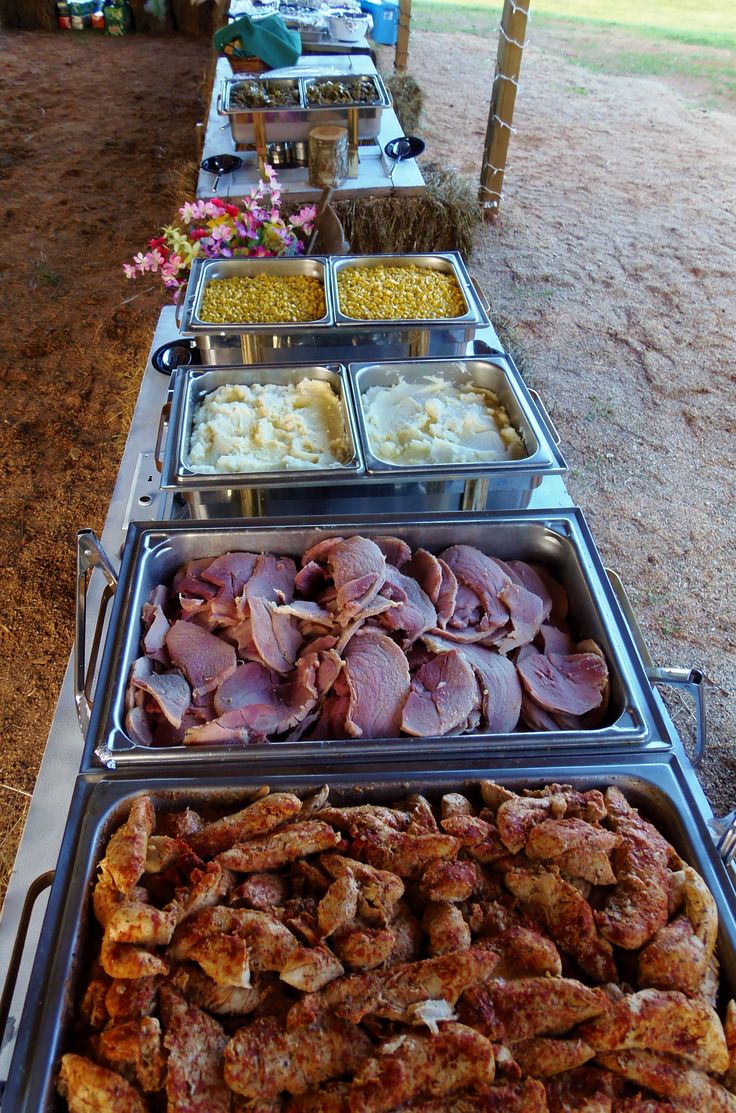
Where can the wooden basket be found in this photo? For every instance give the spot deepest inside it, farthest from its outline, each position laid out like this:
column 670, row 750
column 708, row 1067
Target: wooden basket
column 247, row 65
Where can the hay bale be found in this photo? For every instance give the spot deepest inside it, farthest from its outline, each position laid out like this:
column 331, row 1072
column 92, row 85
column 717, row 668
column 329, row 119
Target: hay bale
column 443, row 218
column 408, row 101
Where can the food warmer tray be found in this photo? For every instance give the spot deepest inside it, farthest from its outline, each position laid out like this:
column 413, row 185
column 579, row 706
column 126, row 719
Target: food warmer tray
column 498, row 484
column 558, row 539
column 657, row 784
column 190, row 387
column 294, row 122
column 338, row 337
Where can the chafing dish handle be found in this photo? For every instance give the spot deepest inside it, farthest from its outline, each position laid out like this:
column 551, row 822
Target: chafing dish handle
column 178, row 310
column 543, row 413
column 480, row 293
column 693, row 679
column 163, row 424
column 43, row 881
column 90, row 555
column 726, row 845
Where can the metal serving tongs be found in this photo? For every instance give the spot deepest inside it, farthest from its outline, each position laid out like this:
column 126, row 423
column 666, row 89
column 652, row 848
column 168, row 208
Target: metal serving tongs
column 693, row 679
column 726, row 845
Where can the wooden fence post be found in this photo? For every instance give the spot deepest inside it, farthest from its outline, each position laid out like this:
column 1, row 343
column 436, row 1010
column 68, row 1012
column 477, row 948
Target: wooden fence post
column 503, row 99
column 401, row 57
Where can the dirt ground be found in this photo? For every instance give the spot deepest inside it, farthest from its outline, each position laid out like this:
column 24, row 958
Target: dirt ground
column 612, row 270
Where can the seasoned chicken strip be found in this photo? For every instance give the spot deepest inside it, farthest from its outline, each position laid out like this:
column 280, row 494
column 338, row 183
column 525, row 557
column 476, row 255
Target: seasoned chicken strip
column 256, row 819
column 380, row 890
column 269, row 852
column 661, row 1021
column 133, row 922
column 545, row 1006
column 363, row 948
column 442, row 978
column 542, row 1057
column 662, row 1075
column 264, row 1059
column 639, row 904
column 481, row 839
column 89, row 1088
column 576, row 847
column 134, row 1049
column 449, row 880
column 125, row 960
column 516, row 817
column 675, row 959
column 207, row 888
column 568, row 918
column 415, row 1065
column 195, row 1043
column 446, row 927
column 311, row 968
column 125, row 856
column 585, row 1089
column 339, row 905
column 406, row 855
column 130, row 998
column 224, row 1000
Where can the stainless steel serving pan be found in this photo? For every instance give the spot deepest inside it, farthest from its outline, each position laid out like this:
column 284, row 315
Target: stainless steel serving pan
column 558, row 539
column 205, row 271
column 542, row 457
column 664, row 790
column 445, row 262
column 189, row 391
column 296, row 121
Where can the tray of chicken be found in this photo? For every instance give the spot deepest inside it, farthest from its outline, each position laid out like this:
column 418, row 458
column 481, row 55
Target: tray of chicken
column 401, row 636
column 558, row 938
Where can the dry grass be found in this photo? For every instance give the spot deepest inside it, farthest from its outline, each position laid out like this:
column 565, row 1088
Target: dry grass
column 443, row 218
column 408, row 101
column 15, row 809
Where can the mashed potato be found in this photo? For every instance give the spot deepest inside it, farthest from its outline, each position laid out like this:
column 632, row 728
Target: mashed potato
column 268, row 427
column 438, row 422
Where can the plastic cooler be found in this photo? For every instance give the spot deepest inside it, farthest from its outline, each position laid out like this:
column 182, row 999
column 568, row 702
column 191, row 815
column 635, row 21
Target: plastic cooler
column 385, row 20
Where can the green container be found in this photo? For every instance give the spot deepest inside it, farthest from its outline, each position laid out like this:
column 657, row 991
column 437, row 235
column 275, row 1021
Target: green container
column 81, row 7
column 268, row 39
column 117, row 20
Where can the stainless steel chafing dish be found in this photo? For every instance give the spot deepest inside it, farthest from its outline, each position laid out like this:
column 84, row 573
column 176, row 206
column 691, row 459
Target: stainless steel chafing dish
column 656, row 784
column 541, row 457
column 501, row 484
column 295, row 121
column 346, row 339
column 558, row 539
column 208, row 495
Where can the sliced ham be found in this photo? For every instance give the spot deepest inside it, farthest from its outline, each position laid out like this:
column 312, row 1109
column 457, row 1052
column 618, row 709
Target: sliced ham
column 306, row 611
column 157, row 628
column 358, row 569
column 321, row 550
column 310, row 580
column 443, row 694
column 525, row 576
column 526, row 614
column 272, row 580
column 415, row 612
column 483, row 575
column 446, row 599
column 557, row 593
column 232, row 570
column 555, row 640
column 498, row 679
column 276, row 636
column 271, row 703
column 204, row 659
column 170, row 691
column 571, row 683
column 427, row 571
column 377, row 675
column 396, row 551
column 229, row 729
column 188, row 580
column 138, row 726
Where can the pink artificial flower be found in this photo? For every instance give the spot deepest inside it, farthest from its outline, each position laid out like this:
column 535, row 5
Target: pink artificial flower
column 130, row 271
column 192, row 211
column 222, row 232
column 260, row 251
column 305, row 218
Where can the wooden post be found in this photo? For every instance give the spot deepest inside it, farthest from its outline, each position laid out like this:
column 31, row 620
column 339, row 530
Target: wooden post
column 401, row 57
column 503, row 99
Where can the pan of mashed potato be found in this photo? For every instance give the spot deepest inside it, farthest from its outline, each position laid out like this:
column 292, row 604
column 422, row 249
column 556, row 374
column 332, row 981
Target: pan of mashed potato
column 253, row 427
column 449, row 417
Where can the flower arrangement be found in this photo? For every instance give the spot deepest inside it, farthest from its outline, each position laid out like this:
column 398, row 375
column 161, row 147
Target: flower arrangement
column 219, row 228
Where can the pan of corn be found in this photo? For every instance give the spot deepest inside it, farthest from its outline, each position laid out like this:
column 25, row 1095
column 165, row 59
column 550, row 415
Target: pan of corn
column 409, row 289
column 272, row 295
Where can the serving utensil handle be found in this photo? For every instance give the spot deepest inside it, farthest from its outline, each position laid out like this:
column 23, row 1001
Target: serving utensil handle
column 693, row 679
column 90, row 555
column 37, row 886
column 726, row 845
column 163, row 425
column 543, row 413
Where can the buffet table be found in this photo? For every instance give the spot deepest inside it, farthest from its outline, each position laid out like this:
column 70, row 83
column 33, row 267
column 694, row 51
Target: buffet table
column 377, row 175
column 137, row 497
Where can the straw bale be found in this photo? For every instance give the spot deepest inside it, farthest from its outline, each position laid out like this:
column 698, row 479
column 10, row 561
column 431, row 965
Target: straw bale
column 408, row 101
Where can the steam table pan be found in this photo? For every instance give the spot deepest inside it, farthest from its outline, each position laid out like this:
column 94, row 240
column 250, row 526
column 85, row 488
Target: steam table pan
column 656, row 783
column 559, row 539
